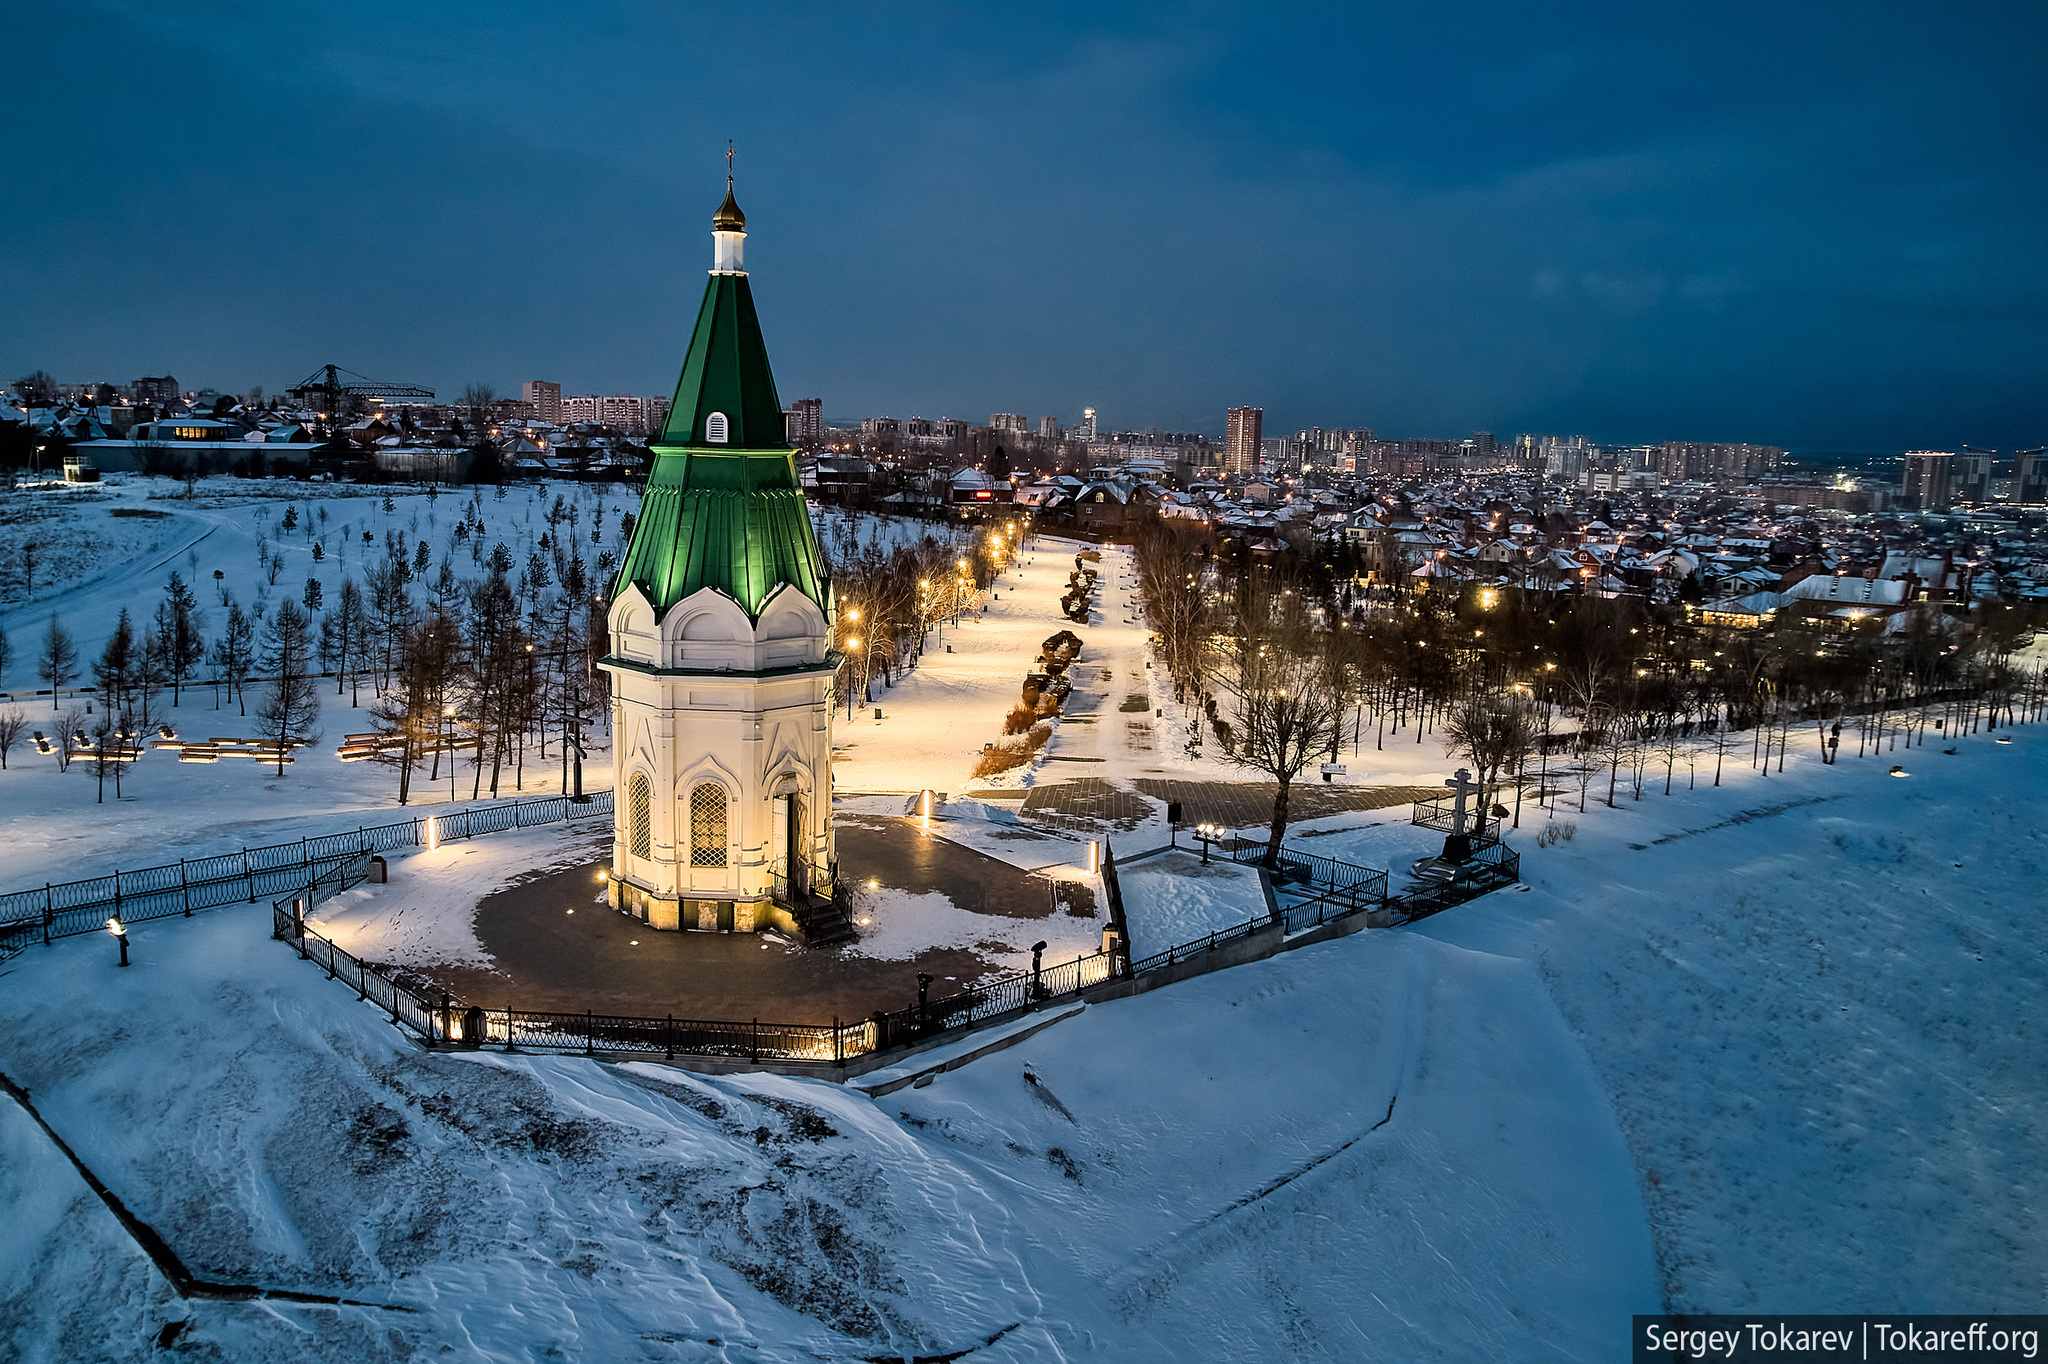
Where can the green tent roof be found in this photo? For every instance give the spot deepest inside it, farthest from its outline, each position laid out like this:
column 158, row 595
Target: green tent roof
column 735, row 520
column 727, row 371
column 727, row 516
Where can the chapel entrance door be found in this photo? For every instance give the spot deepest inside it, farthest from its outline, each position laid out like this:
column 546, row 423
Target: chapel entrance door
column 793, row 840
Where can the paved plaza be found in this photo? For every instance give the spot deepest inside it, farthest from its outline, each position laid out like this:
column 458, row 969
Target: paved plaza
column 1234, row 805
column 557, row 946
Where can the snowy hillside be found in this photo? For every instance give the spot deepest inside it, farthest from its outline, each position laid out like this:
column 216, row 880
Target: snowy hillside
column 1762, row 1048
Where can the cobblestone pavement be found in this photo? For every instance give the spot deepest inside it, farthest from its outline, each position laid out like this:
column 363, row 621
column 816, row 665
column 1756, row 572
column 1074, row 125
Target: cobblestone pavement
column 1235, row 805
column 1240, row 805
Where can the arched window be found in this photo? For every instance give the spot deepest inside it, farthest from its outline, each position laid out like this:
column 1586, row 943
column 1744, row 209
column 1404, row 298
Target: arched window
column 707, row 825
column 639, row 807
column 714, row 429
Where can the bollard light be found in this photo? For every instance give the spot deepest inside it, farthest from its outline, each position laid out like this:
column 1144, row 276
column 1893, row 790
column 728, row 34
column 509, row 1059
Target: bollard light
column 120, row 932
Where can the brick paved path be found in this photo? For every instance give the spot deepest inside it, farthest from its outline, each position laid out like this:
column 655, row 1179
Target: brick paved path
column 1235, row 805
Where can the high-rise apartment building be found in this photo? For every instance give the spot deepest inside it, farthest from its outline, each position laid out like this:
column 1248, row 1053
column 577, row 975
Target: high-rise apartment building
column 1241, row 439
column 1007, row 421
column 1969, row 477
column 1685, row 460
column 1924, row 486
column 1049, row 427
column 545, row 399
column 633, row 415
column 1087, row 423
column 2030, row 476
column 806, row 423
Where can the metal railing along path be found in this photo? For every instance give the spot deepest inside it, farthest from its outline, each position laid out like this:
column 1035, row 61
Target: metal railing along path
column 63, row 909
column 437, row 1017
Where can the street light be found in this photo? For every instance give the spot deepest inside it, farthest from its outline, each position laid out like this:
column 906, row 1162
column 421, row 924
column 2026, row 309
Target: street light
column 1208, row 833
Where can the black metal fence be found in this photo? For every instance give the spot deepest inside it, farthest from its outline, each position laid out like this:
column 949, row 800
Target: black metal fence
column 1491, row 866
column 66, row 908
column 1297, row 867
column 1442, row 813
column 438, row 1017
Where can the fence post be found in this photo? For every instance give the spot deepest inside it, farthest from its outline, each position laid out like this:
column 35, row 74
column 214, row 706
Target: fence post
column 49, row 911
column 838, row 1043
column 117, row 893
column 754, row 1047
column 249, row 875
column 185, row 887
column 589, row 1034
column 668, row 1037
column 466, row 823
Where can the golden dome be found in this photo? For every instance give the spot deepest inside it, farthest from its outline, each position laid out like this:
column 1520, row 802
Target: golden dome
column 729, row 218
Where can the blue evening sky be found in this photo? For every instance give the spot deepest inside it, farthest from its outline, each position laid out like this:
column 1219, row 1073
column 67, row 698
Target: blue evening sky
column 1817, row 225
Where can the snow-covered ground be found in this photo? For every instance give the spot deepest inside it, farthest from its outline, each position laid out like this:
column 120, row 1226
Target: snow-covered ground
column 1173, row 898
column 52, row 824
column 428, row 915
column 1773, row 1047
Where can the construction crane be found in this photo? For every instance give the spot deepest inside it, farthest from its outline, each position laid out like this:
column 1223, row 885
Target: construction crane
column 327, row 390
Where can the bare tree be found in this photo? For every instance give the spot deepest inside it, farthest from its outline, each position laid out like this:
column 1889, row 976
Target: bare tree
column 57, row 665
column 30, row 554
column 1493, row 733
column 1287, row 708
column 287, row 711
column 11, row 724
column 477, row 402
column 407, row 714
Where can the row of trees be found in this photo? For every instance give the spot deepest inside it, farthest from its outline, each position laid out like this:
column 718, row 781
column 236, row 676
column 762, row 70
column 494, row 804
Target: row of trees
column 1287, row 668
column 892, row 598
column 457, row 666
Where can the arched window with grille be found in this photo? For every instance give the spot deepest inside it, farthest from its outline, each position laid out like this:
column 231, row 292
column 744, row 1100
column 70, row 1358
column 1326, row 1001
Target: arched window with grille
column 707, row 825
column 639, row 817
column 715, row 429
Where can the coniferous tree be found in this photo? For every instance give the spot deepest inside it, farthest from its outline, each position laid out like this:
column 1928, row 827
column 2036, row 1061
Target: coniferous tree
column 114, row 673
column 289, row 708
column 180, row 624
column 347, row 622
column 234, row 651
column 57, row 664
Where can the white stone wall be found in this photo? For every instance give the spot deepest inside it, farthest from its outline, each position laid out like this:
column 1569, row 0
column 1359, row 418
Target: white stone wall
column 697, row 697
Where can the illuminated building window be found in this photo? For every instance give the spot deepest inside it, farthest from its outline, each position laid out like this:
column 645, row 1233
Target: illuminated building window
column 707, row 825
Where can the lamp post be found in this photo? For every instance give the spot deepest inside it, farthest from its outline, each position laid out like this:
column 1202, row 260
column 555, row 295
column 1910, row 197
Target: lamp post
column 1207, row 833
column 448, row 747
column 120, row 932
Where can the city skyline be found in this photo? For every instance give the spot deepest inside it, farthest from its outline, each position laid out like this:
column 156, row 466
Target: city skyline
column 1816, row 231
